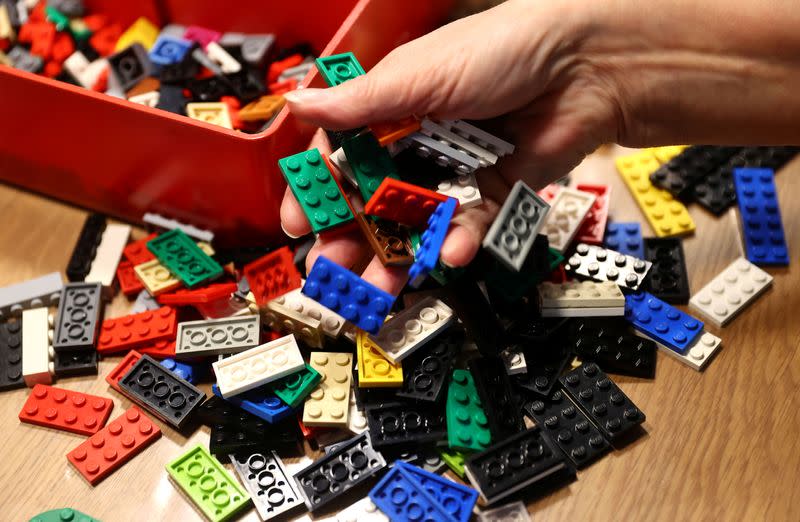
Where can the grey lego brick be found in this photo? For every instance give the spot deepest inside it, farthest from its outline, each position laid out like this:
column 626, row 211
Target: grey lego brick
column 80, row 311
column 273, row 490
column 144, row 301
column 33, row 293
column 256, row 48
column 217, row 336
column 514, row 230
column 602, row 264
column 434, row 130
column 160, row 221
column 442, row 153
column 478, row 136
column 24, row 60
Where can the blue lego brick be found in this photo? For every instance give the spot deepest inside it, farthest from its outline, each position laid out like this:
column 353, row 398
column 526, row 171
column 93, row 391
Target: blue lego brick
column 762, row 227
column 348, row 295
column 185, row 371
column 402, row 500
column 661, row 321
column 262, row 404
column 625, row 238
column 427, row 254
column 168, row 50
column 458, row 500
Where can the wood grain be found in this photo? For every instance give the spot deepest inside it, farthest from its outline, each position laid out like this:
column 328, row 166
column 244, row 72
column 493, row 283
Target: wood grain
column 721, row 444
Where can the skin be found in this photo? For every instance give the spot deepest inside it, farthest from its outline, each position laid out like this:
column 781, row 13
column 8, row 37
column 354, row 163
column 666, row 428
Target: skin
column 560, row 80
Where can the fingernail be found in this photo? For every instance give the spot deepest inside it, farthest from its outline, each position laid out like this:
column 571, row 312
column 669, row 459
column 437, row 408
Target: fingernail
column 287, row 233
column 301, row 96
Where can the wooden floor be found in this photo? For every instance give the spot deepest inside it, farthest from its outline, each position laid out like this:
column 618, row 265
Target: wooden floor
column 719, row 445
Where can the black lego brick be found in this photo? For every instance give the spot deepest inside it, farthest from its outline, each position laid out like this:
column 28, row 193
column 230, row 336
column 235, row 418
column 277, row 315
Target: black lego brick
column 544, row 343
column 11, row 355
column 80, row 262
column 476, row 314
column 405, row 424
column 80, row 313
column 667, row 279
column 75, row 362
column 251, row 434
column 602, row 401
column 425, row 372
column 612, row 345
column 494, row 390
column 680, row 174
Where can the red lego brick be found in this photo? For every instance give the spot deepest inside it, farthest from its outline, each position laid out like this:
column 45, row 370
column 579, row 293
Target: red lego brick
column 66, row 410
column 137, row 252
column 593, row 228
column 105, row 39
column 94, row 22
column 52, row 69
column 283, row 87
column 63, row 47
column 202, row 295
column 120, row 441
column 310, row 432
column 40, row 35
column 277, row 67
column 137, row 330
column 390, row 131
column 233, row 110
column 159, row 350
column 122, row 368
column 128, row 282
column 272, row 276
column 403, row 202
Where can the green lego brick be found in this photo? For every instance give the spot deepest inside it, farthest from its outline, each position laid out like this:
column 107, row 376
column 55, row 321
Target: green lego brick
column 316, row 190
column 181, row 256
column 63, row 515
column 293, row 389
column 370, row 163
column 212, row 489
column 455, row 461
column 467, row 425
column 554, row 258
column 57, row 18
column 339, row 68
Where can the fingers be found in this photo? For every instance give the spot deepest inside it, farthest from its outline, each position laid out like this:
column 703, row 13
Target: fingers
column 387, row 278
column 344, row 249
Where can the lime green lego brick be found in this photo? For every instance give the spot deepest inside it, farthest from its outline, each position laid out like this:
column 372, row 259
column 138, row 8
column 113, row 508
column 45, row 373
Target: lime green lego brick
column 467, row 425
column 455, row 461
column 212, row 489
column 339, row 68
column 57, row 18
column 293, row 389
column 63, row 515
column 316, row 190
column 370, row 163
column 183, row 258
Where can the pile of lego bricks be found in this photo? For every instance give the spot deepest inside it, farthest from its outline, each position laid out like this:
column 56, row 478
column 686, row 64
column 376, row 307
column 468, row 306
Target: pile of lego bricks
column 234, row 80
column 497, row 371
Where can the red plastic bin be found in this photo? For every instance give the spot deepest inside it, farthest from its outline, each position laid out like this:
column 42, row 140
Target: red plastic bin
column 125, row 159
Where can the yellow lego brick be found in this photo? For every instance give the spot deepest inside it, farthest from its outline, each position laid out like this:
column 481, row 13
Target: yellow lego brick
column 664, row 154
column 210, row 112
column 6, row 29
column 375, row 370
column 142, row 31
column 329, row 403
column 667, row 216
column 206, row 248
column 156, row 278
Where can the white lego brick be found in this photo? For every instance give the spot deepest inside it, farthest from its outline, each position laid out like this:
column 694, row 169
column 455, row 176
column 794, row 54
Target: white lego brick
column 478, row 136
column 41, row 291
column 514, row 512
column 730, row 292
column 362, row 511
column 146, row 98
column 217, row 336
column 464, row 188
column 258, row 366
column 441, row 153
column 144, row 301
column 173, row 30
column 581, row 299
column 409, row 330
column 567, row 212
column 203, row 59
column 85, row 72
column 338, row 158
column 36, row 337
column 602, row 264
column 697, row 355
column 437, row 132
column 220, row 56
column 160, row 221
column 356, row 420
column 608, row 311
column 514, row 360
column 330, row 322
column 283, row 319
column 109, row 252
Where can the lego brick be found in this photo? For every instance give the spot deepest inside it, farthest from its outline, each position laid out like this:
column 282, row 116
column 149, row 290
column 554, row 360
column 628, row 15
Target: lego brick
column 328, row 403
column 260, row 403
column 389, row 241
column 513, row 512
column 514, row 361
column 66, row 410
column 443, row 135
column 281, row 318
column 151, row 99
column 217, row 336
column 161, row 392
column 397, row 424
column 443, row 153
column 74, row 363
column 427, row 253
column 625, row 238
column 203, row 295
column 80, row 262
column 388, row 132
column 159, row 349
column 668, row 279
column 79, row 316
column 374, row 369
column 569, row 428
column 476, row 314
column 464, row 188
column 513, row 464
column 467, row 425
column 681, row 173
column 183, row 258
column 403, row 202
column 478, row 136
column 293, row 389
column 339, row 160
column 209, row 486
column 33, row 293
column 137, row 253
column 339, row 472
column 62, row 515
column 215, row 113
column 339, row 68
column 137, row 330
column 156, row 278
column 124, row 366
column 402, row 499
column 169, row 50
column 272, row 489
column 600, row 264
column 24, row 60
column 356, row 419
column 369, row 163
column 662, row 322
column 567, row 212
column 109, row 252
column 159, row 221
column 455, row 461
column 760, row 217
column 258, row 366
column 187, row 372
column 221, row 57
column 362, row 511
column 262, row 109
column 316, row 190
column 272, row 275
column 130, row 65
column 570, row 299
column 666, row 215
column 730, row 292
column 429, row 368
column 699, row 354
column 410, row 329
column 108, row 449
column 129, row 282
column 11, row 355
column 348, row 295
column 543, row 369
column 494, row 389
column 513, row 232
column 142, row 31
column 256, row 48
column 593, row 228
column 35, row 347
column 610, row 345
column 456, row 499
column 601, row 401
